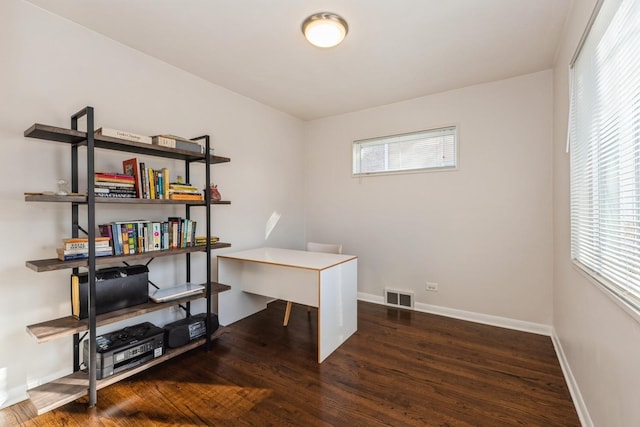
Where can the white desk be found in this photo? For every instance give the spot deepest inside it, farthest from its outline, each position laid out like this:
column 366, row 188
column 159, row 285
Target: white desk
column 326, row 281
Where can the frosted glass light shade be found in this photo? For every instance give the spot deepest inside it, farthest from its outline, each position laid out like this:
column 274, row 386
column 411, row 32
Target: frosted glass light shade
column 325, row 29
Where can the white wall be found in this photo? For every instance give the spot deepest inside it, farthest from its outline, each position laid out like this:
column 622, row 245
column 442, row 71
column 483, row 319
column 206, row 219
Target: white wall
column 483, row 232
column 51, row 68
column 600, row 340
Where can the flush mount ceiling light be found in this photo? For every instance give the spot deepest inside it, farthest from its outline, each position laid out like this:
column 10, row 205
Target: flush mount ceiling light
column 325, row 29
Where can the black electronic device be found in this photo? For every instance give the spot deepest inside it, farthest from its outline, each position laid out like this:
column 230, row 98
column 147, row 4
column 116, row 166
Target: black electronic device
column 126, row 348
column 182, row 332
column 116, row 288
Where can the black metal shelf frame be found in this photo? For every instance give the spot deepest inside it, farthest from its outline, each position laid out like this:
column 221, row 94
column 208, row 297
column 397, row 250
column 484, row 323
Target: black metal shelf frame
column 89, row 141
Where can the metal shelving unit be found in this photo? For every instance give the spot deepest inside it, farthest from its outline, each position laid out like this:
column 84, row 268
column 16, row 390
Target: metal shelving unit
column 66, row 389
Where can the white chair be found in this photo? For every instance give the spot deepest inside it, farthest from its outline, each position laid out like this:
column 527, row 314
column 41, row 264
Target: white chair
column 313, row 247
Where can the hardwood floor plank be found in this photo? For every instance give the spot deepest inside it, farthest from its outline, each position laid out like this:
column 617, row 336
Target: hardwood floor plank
column 401, row 368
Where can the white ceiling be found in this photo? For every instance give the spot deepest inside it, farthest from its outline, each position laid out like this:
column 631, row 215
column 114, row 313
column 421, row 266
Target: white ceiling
column 395, row 49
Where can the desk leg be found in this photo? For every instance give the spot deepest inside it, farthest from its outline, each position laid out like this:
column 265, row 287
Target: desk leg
column 287, row 313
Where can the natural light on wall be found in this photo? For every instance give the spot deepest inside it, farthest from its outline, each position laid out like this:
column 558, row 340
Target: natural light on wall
column 604, row 141
column 271, row 224
column 434, row 149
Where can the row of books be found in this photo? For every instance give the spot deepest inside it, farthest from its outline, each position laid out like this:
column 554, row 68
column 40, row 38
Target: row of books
column 164, row 235
column 171, row 141
column 140, row 236
column 149, row 183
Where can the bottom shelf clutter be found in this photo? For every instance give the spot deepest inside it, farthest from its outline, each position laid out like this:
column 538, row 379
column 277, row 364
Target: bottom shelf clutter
column 74, row 386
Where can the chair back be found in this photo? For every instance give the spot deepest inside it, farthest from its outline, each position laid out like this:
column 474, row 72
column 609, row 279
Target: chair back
column 324, row 247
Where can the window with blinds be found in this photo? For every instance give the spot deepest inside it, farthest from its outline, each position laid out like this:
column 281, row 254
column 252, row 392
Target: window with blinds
column 417, row 151
column 604, row 141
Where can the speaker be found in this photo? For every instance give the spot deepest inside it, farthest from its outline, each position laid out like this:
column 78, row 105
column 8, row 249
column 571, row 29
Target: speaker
column 183, row 331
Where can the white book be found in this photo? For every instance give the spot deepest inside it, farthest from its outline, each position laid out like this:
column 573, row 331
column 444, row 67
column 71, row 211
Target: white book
column 121, row 134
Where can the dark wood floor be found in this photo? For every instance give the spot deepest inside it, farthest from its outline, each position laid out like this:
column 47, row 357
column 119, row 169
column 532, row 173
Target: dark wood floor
column 401, row 368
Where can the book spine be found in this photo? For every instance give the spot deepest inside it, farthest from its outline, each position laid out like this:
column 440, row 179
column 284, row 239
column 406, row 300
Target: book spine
column 70, row 257
column 117, row 239
column 163, row 141
column 165, row 183
column 85, row 246
column 155, row 184
column 106, row 231
column 130, row 167
column 152, row 189
column 188, row 146
column 113, row 175
column 114, row 185
column 131, row 238
column 125, row 239
column 139, row 237
column 174, row 232
column 116, row 195
column 84, row 240
column 165, row 235
column 157, row 235
column 120, row 134
column 148, row 237
column 143, row 182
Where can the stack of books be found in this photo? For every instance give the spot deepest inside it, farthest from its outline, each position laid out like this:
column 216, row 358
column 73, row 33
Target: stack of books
column 112, row 184
column 78, row 248
column 202, row 240
column 178, row 191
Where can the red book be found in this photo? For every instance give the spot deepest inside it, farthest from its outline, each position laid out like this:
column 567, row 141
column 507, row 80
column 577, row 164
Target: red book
column 114, row 175
column 131, row 167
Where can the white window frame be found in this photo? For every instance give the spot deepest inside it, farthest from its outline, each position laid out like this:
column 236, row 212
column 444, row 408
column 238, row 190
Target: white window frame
column 390, row 140
column 605, row 229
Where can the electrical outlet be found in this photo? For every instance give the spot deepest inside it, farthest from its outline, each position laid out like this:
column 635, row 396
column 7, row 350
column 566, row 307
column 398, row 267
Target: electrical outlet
column 432, row 286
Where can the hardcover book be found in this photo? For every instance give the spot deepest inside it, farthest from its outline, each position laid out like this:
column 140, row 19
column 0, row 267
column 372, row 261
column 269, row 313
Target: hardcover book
column 130, row 167
column 177, row 142
column 84, row 240
column 121, row 134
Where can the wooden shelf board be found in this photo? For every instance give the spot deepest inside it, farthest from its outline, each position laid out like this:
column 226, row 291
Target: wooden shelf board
column 83, row 200
column 54, row 133
column 69, row 325
column 74, row 386
column 53, row 264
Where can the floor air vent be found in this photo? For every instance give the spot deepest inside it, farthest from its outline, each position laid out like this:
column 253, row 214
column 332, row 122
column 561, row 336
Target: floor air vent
column 397, row 298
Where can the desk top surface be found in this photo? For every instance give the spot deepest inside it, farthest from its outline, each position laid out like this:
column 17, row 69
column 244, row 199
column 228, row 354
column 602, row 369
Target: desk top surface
column 290, row 258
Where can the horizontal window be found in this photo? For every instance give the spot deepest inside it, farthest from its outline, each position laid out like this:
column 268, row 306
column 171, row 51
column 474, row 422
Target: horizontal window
column 424, row 150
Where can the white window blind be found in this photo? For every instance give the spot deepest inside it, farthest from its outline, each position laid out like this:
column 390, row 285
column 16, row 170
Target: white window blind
column 429, row 149
column 604, row 140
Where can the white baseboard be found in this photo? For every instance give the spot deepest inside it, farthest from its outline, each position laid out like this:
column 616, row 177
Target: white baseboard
column 503, row 322
column 18, row 394
column 576, row 396
column 13, row 396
